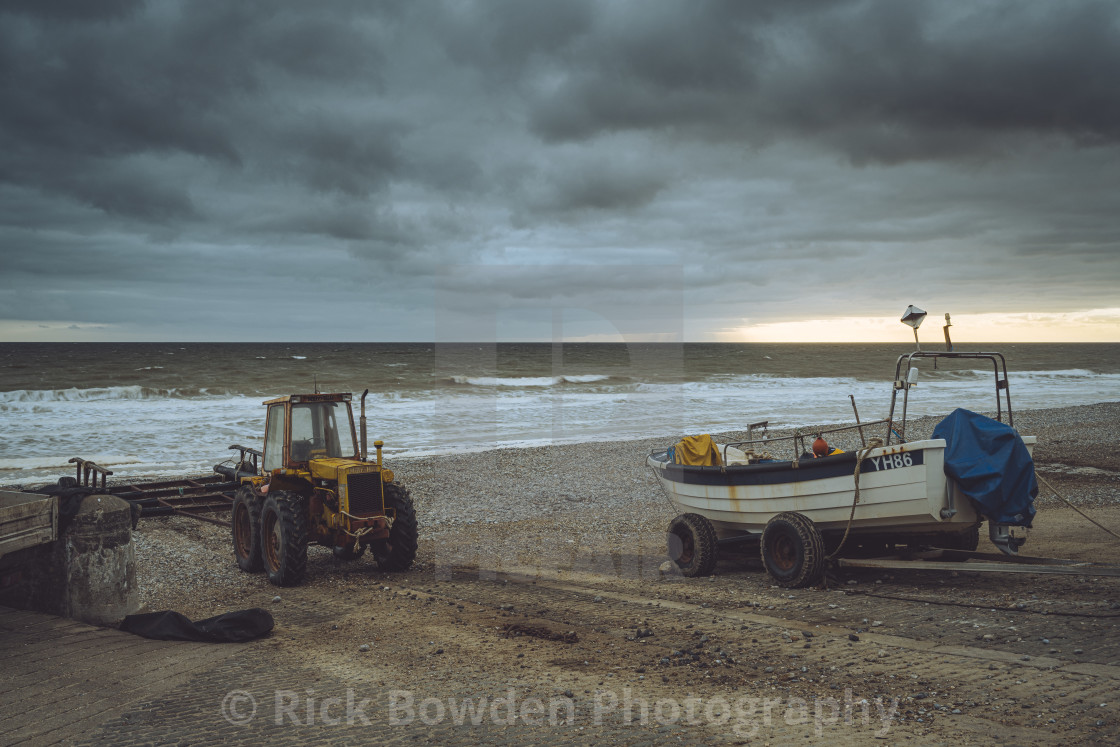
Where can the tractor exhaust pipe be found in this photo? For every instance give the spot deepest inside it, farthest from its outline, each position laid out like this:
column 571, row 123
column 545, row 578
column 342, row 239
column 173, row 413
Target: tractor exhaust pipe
column 363, row 426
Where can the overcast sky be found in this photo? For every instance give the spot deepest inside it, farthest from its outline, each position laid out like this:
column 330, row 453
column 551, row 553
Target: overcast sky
column 422, row 170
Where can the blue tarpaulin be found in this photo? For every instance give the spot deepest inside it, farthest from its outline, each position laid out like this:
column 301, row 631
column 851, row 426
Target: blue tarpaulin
column 992, row 466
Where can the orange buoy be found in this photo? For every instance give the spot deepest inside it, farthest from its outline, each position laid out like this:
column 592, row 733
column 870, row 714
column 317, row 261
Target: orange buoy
column 820, row 447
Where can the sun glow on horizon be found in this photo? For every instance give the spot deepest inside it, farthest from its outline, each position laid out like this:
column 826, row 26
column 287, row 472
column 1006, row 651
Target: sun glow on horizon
column 1092, row 325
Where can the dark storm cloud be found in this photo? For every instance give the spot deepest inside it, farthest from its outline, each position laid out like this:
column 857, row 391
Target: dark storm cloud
column 606, row 185
column 767, row 150
column 201, row 80
column 73, row 10
column 878, row 80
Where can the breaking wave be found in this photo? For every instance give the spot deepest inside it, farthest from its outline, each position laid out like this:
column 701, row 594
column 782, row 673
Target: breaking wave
column 95, row 394
column 526, row 381
column 63, row 463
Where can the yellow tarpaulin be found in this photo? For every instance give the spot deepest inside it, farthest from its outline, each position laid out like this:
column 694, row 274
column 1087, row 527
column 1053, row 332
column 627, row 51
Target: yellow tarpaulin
column 698, row 451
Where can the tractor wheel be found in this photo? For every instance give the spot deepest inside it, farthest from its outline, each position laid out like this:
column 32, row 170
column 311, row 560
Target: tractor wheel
column 246, row 521
column 792, row 550
column 284, row 538
column 399, row 550
column 347, row 552
column 693, row 546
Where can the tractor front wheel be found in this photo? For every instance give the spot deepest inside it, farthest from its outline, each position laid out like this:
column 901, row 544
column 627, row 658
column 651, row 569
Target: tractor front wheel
column 284, row 538
column 246, row 521
column 398, row 551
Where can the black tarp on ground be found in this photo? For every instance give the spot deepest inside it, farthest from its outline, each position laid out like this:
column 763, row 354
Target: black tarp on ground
column 232, row 627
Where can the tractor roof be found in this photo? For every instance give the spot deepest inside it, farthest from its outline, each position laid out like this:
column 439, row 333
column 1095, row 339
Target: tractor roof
column 299, row 398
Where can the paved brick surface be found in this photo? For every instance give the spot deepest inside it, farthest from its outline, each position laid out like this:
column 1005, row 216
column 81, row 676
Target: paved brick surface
column 262, row 710
column 62, row 679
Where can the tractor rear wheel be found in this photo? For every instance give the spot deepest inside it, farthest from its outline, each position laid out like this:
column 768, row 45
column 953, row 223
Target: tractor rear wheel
column 693, row 546
column 246, row 525
column 792, row 550
column 398, row 551
column 284, row 538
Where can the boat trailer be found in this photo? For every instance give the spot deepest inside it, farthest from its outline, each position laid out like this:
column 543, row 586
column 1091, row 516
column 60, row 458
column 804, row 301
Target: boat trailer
column 206, row 498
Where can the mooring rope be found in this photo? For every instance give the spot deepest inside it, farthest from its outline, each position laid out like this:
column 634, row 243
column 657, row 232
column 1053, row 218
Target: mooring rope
column 1075, row 508
column 861, row 455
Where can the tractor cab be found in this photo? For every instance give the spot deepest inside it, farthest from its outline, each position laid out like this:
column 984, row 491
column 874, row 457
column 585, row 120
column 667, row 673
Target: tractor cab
column 305, row 427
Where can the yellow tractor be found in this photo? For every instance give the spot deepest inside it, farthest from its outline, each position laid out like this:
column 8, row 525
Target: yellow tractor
column 315, row 487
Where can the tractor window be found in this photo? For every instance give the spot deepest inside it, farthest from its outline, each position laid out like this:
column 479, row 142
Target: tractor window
column 274, row 439
column 321, row 429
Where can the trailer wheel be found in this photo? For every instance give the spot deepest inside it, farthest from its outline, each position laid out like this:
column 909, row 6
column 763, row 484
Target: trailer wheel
column 284, row 538
column 792, row 550
column 693, row 546
column 246, row 525
column 398, row 551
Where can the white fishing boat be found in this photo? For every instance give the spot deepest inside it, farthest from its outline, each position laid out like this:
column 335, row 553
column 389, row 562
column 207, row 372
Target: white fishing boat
column 801, row 504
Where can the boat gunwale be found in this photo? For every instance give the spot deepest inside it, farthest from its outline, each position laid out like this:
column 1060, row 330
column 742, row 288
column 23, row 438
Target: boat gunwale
column 784, row 465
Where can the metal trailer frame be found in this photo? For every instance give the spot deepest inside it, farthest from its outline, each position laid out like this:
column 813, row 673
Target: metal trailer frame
column 200, row 498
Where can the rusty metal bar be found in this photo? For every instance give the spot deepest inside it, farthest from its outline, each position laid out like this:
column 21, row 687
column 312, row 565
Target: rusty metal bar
column 862, row 438
column 181, row 511
column 84, row 467
column 189, row 497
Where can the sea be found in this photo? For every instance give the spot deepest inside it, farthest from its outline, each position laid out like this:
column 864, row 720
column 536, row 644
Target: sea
column 173, row 409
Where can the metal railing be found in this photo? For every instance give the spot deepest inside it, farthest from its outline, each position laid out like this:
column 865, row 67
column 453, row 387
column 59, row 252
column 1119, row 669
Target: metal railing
column 85, row 468
column 796, row 440
column 903, row 384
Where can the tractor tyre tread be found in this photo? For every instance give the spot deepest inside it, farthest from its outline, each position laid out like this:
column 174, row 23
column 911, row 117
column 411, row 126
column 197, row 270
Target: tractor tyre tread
column 291, row 514
column 247, row 550
column 399, row 551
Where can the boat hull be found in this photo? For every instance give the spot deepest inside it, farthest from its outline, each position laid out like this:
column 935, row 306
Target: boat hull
column 902, row 490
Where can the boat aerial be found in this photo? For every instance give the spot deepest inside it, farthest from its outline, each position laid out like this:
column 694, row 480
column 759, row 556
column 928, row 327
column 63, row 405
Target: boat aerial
column 803, row 502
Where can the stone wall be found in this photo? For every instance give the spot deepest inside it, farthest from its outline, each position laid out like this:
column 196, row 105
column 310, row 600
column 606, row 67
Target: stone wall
column 88, row 573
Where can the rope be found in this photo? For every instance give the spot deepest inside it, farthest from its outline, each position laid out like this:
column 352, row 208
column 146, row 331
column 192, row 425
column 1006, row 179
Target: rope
column 862, row 454
column 1075, row 508
column 358, row 537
